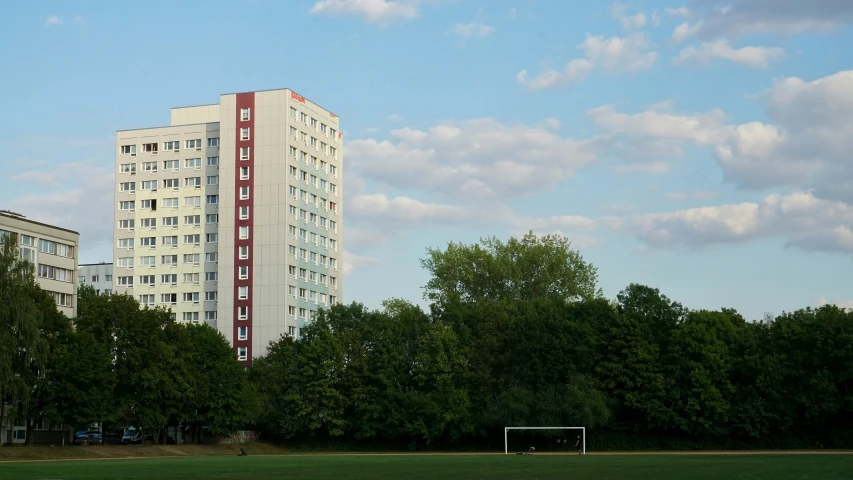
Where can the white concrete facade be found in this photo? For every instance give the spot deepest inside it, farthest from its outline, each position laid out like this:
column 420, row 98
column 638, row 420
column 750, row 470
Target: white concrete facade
column 53, row 252
column 98, row 275
column 277, row 254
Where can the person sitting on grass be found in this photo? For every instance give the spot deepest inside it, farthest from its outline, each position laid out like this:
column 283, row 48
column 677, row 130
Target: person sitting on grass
column 242, row 453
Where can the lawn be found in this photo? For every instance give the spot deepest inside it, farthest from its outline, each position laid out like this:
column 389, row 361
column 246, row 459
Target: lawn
column 446, row 467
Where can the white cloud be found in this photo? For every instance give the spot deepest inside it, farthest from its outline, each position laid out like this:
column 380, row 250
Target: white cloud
column 695, row 195
column 845, row 304
column 574, row 72
column 654, row 168
column 472, row 30
column 379, row 12
column 471, row 160
column 619, row 53
column 628, row 22
column 676, row 12
column 803, row 220
column 53, row 20
column 627, row 54
column 755, row 57
column 806, row 144
column 742, row 17
column 356, row 262
column 81, row 199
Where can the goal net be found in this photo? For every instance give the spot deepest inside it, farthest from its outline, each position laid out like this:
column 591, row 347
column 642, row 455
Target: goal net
column 581, row 431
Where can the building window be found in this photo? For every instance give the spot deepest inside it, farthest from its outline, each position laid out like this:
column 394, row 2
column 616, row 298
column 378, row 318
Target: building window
column 243, row 292
column 170, row 221
column 192, row 201
column 126, row 281
column 213, row 179
column 244, row 114
column 212, row 199
column 191, row 297
column 244, row 173
column 212, row 218
column 244, row 212
column 244, row 133
column 128, row 149
column 244, row 232
column 211, row 296
column 146, row 279
column 175, row 146
column 169, row 260
column 242, row 333
column 127, row 205
column 212, row 161
column 148, row 242
column 192, row 220
column 171, row 183
column 127, row 168
column 192, row 182
column 244, row 153
column 243, row 313
column 149, row 148
column 244, row 272
column 192, row 258
column 146, row 299
column 191, row 278
column 190, row 317
column 242, row 354
column 171, row 165
column 125, row 261
column 211, row 276
column 125, row 224
column 170, row 298
column 244, row 252
column 211, row 257
column 244, row 193
column 192, row 163
column 149, row 185
column 193, row 239
column 211, row 238
column 213, row 142
column 194, row 143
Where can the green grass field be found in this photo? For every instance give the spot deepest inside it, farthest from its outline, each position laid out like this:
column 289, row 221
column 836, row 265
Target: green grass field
column 415, row 467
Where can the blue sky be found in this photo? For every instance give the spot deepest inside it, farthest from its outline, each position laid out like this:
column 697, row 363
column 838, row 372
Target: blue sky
column 700, row 147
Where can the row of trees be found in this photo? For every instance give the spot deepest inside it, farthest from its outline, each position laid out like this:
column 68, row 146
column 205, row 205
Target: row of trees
column 113, row 364
column 518, row 334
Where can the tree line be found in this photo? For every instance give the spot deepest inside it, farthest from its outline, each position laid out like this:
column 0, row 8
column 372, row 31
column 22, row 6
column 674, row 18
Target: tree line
column 115, row 364
column 517, row 334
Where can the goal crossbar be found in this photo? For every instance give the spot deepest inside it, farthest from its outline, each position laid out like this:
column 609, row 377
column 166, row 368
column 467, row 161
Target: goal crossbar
column 507, row 429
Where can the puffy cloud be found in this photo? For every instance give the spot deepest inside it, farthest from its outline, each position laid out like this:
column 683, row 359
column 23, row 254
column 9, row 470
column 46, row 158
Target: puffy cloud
column 754, row 57
column 806, row 144
column 744, row 17
column 471, row 160
column 574, row 72
column 845, row 304
column 379, row 12
column 626, row 54
column 353, row 262
column 628, row 22
column 802, row 219
column 81, row 199
column 472, row 30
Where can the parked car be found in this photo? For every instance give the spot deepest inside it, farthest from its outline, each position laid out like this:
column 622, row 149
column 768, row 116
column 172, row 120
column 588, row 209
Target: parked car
column 95, row 438
column 132, row 435
column 80, row 437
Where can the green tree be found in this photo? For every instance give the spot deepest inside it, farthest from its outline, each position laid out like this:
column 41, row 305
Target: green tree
column 23, row 349
column 522, row 269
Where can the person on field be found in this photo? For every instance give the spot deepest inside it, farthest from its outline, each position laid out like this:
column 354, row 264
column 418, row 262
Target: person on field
column 242, row 453
column 578, row 445
column 531, row 451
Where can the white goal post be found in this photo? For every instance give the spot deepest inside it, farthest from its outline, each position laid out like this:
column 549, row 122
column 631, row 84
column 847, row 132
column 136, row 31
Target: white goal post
column 507, row 429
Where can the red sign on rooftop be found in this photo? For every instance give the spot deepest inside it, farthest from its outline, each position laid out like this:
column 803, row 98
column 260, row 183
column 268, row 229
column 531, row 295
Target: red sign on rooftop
column 297, row 97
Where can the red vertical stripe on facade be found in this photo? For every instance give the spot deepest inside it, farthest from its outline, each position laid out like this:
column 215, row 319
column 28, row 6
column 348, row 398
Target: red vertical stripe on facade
column 244, row 100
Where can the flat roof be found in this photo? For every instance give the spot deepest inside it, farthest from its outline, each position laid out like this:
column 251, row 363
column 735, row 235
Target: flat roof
column 93, row 264
column 25, row 219
column 167, row 126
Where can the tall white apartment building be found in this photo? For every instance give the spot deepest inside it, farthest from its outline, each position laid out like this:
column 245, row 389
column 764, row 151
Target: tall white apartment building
column 232, row 215
column 53, row 252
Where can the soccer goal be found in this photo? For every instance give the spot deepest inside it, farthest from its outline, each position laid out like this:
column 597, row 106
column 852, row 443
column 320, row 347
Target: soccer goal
column 507, row 429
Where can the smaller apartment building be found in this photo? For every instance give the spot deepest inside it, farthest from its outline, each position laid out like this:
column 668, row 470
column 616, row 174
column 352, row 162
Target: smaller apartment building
column 98, row 275
column 53, row 252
